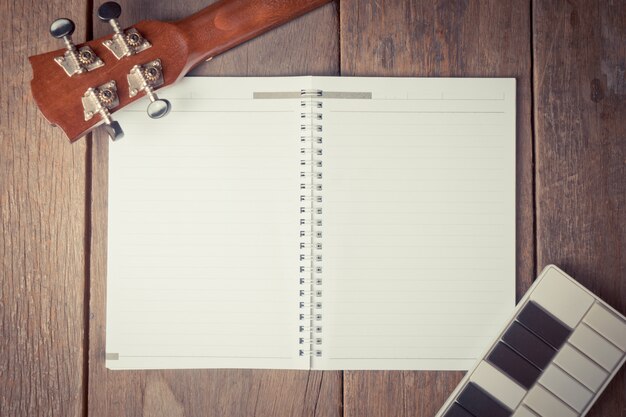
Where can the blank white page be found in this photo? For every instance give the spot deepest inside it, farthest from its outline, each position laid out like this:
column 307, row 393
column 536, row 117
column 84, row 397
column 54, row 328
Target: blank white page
column 418, row 220
column 203, row 230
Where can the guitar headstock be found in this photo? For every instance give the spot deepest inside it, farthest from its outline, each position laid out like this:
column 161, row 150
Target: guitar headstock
column 79, row 87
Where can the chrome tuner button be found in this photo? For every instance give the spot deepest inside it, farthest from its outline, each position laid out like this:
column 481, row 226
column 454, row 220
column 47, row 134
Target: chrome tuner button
column 114, row 130
column 159, row 108
column 62, row 29
column 109, row 11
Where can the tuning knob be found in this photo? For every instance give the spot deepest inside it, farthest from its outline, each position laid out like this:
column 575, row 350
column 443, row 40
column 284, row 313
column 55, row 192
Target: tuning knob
column 110, row 12
column 158, row 107
column 114, row 130
column 63, row 29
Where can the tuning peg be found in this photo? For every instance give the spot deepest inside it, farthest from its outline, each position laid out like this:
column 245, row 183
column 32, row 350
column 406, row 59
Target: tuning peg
column 100, row 100
column 146, row 78
column 110, row 12
column 73, row 61
column 123, row 43
column 114, row 130
column 158, row 107
column 63, row 29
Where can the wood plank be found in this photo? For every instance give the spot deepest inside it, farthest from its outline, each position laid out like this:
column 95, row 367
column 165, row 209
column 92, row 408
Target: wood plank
column 580, row 108
column 42, row 230
column 441, row 38
column 308, row 45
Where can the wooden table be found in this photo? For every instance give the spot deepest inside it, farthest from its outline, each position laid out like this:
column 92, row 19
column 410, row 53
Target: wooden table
column 569, row 58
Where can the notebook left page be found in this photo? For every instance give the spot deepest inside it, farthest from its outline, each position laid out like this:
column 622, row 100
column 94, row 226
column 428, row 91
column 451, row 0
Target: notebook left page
column 203, row 226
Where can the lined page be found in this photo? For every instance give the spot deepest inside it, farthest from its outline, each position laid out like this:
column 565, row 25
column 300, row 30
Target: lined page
column 203, row 225
column 419, row 220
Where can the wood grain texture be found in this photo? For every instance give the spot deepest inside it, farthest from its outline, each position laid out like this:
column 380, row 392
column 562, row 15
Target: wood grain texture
column 580, row 107
column 307, row 45
column 42, row 231
column 580, row 139
column 438, row 39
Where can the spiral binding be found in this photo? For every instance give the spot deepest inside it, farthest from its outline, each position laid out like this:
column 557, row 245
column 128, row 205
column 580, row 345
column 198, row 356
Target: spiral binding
column 310, row 268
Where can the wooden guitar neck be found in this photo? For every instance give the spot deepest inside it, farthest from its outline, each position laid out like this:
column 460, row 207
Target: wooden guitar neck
column 228, row 23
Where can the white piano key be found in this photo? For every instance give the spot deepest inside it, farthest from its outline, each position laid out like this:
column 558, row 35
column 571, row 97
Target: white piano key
column 524, row 412
column 546, row 404
column 607, row 324
column 498, row 385
column 580, row 367
column 596, row 347
column 566, row 388
column 562, row 298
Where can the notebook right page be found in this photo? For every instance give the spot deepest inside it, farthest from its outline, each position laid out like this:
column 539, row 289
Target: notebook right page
column 418, row 220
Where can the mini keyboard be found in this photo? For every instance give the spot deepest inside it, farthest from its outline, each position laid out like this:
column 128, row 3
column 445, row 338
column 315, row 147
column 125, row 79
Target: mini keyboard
column 553, row 358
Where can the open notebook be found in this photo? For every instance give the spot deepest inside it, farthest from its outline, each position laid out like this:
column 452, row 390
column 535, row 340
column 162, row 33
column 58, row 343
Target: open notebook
column 313, row 223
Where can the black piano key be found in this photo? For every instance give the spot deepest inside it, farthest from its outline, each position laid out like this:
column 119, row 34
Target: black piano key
column 526, row 343
column 544, row 325
column 480, row 404
column 457, row 411
column 514, row 365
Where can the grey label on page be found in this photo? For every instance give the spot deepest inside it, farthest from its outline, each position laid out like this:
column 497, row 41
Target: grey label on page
column 324, row 94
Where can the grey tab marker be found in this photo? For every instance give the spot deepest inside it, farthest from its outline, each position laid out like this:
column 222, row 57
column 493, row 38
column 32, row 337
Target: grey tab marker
column 325, row 94
column 112, row 356
column 276, row 94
